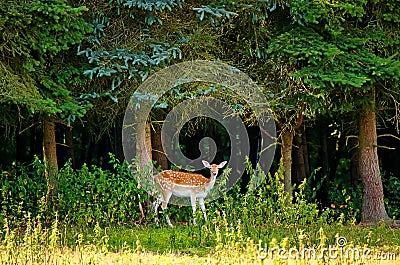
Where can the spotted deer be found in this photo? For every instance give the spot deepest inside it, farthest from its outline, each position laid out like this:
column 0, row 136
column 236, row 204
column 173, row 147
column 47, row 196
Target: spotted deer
column 182, row 184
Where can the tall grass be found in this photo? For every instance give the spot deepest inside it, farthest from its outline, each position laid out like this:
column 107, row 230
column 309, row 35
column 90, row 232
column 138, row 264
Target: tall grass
column 222, row 243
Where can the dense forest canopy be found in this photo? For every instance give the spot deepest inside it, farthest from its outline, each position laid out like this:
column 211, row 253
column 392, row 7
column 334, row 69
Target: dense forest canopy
column 330, row 71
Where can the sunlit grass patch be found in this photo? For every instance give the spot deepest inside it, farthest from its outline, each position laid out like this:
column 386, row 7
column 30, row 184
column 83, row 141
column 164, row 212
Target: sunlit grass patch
column 212, row 243
column 90, row 254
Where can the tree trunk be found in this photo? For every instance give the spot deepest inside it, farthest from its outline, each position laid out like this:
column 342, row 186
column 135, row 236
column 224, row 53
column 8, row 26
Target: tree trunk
column 144, row 151
column 298, row 155
column 373, row 205
column 145, row 159
column 50, row 160
column 148, row 140
column 158, row 152
column 286, row 150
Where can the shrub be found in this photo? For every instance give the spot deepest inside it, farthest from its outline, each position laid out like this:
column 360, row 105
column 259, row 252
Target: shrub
column 92, row 195
column 22, row 189
column 85, row 196
column 391, row 186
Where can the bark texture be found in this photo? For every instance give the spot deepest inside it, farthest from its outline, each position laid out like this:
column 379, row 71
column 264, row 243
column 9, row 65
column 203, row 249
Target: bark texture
column 158, row 152
column 368, row 166
column 286, row 149
column 50, row 160
column 144, row 151
column 300, row 156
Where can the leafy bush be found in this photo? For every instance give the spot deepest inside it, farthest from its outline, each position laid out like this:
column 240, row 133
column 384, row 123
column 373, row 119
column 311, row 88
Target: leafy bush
column 391, row 186
column 346, row 203
column 85, row 196
column 268, row 205
column 90, row 195
column 276, row 207
column 22, row 188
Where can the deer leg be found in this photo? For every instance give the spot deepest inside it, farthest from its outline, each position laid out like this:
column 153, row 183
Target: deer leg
column 156, row 204
column 203, row 207
column 167, row 195
column 193, row 202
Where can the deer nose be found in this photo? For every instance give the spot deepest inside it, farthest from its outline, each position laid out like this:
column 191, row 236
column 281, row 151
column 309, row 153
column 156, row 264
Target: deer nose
column 215, row 174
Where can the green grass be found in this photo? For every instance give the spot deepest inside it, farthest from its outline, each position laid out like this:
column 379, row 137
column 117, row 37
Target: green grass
column 190, row 240
column 201, row 240
column 211, row 243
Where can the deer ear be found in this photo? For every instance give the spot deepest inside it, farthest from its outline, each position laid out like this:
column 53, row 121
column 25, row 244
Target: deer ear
column 206, row 164
column 222, row 164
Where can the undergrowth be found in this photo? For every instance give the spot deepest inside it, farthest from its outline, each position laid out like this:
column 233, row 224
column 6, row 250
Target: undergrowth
column 99, row 221
column 91, row 195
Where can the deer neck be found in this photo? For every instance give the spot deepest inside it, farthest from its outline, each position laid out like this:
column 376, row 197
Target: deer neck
column 212, row 181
